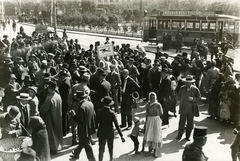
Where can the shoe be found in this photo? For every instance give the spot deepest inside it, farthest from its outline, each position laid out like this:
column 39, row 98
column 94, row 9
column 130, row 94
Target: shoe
column 129, row 127
column 178, row 138
column 137, row 152
column 187, row 139
column 74, row 155
column 122, row 126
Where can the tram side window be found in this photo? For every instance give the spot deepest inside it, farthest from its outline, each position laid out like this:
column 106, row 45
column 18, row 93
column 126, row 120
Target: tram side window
column 193, row 26
column 163, row 24
column 146, row 24
column 212, row 26
column 190, row 26
column 176, row 25
column 204, row 26
column 231, row 26
column 238, row 27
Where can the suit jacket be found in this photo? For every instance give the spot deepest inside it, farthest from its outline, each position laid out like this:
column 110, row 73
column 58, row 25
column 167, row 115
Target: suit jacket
column 114, row 80
column 85, row 118
column 25, row 116
column 105, row 119
column 131, row 87
column 154, row 78
column 103, row 89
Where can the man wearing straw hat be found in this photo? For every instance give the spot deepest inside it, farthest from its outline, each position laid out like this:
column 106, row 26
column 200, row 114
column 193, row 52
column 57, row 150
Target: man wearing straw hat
column 24, row 108
column 188, row 96
column 9, row 122
column 193, row 151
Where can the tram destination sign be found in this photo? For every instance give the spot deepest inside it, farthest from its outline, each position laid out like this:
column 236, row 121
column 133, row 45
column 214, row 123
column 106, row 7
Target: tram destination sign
column 187, row 13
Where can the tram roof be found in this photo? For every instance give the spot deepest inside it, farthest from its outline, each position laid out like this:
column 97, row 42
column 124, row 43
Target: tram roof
column 214, row 16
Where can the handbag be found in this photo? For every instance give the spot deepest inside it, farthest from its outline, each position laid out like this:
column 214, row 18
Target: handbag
column 196, row 112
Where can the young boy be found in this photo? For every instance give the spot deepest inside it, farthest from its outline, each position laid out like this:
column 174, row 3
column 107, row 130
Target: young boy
column 135, row 133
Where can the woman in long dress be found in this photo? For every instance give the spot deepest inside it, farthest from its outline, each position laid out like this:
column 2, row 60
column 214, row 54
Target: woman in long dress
column 153, row 126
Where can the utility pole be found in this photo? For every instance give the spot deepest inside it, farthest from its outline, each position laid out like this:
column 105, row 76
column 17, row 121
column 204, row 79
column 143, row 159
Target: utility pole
column 2, row 9
column 140, row 6
column 169, row 5
column 51, row 13
column 55, row 17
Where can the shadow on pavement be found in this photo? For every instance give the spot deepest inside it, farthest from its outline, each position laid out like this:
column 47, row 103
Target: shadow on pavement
column 135, row 157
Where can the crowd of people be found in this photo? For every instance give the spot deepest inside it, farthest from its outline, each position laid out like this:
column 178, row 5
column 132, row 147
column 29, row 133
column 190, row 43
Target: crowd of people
column 51, row 86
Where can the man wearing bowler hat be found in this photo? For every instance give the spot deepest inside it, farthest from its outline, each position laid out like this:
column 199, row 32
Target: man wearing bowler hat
column 154, row 76
column 193, row 151
column 105, row 120
column 188, row 96
column 84, row 115
column 9, row 122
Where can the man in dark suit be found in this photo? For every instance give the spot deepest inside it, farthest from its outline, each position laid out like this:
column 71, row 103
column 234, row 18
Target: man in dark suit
column 154, row 76
column 103, row 89
column 115, row 81
column 128, row 87
column 179, row 41
column 105, row 119
column 24, row 108
column 85, row 118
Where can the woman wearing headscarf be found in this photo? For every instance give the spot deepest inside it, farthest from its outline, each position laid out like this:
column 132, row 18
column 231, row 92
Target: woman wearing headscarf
column 153, row 125
column 40, row 138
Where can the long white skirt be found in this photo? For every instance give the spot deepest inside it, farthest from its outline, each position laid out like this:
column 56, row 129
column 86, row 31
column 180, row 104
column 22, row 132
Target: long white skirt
column 153, row 132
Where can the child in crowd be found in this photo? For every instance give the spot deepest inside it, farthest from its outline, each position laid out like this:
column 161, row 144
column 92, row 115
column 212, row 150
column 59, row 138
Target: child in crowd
column 135, row 133
column 224, row 108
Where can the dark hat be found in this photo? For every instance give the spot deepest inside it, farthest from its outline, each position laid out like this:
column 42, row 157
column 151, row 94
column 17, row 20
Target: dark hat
column 63, row 72
column 19, row 60
column 200, row 131
column 81, row 93
column 73, row 65
column 24, row 96
column 100, row 71
column 167, row 70
column 5, row 36
column 36, row 122
column 189, row 78
column 156, row 62
column 52, row 83
column 46, row 77
column 28, row 154
column 184, row 54
column 27, row 78
column 13, row 111
column 107, row 100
